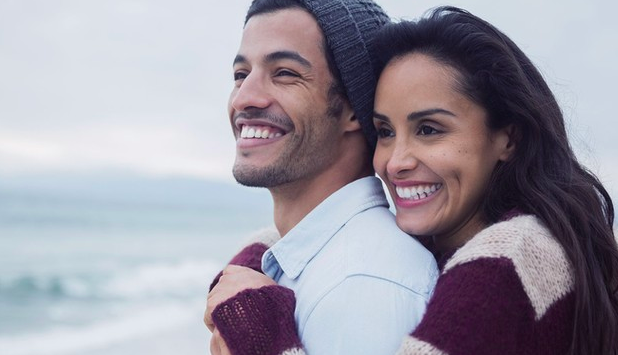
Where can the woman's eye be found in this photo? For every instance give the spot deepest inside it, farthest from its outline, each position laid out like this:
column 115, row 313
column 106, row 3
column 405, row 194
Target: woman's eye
column 427, row 130
column 385, row 132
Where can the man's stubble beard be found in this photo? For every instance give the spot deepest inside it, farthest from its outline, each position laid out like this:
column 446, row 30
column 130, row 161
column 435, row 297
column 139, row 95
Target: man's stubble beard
column 302, row 157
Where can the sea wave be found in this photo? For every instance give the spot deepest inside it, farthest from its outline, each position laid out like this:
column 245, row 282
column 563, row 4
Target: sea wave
column 147, row 301
column 177, row 280
column 56, row 286
column 181, row 279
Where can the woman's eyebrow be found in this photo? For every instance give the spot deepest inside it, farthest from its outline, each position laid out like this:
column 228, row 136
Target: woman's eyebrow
column 420, row 114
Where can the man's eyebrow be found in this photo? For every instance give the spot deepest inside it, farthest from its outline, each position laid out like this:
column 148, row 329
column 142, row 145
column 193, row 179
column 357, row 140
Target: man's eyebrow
column 239, row 59
column 275, row 56
column 290, row 55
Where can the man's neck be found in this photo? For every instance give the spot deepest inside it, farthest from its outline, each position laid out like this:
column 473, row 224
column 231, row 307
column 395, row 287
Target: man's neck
column 294, row 201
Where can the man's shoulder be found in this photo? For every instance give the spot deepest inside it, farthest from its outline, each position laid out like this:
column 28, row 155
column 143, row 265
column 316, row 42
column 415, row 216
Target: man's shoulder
column 371, row 245
column 375, row 231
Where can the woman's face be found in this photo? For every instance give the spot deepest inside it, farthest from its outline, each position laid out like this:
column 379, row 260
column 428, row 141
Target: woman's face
column 435, row 152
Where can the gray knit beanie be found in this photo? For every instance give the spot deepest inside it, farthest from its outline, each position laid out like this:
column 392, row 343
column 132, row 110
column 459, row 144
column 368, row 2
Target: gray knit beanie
column 348, row 26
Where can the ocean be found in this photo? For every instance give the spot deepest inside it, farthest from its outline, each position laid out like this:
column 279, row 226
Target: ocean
column 104, row 266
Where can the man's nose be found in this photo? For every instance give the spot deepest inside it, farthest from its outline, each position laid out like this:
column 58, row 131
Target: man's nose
column 252, row 93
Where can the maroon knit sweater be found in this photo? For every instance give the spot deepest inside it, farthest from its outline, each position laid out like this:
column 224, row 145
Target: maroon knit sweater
column 509, row 290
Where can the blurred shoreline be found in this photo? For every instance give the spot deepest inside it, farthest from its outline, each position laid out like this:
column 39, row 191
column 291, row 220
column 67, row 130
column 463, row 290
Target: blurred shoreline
column 115, row 265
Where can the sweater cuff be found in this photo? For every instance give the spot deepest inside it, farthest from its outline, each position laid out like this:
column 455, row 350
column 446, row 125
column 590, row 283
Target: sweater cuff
column 258, row 321
column 250, row 256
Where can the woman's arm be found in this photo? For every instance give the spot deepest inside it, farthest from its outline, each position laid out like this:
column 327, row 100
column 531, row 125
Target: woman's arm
column 479, row 307
column 259, row 321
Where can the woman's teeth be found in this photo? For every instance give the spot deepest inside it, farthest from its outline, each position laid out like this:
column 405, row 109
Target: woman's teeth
column 417, row 192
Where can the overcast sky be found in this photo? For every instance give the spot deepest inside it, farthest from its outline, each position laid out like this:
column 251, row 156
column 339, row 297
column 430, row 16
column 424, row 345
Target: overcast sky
column 141, row 86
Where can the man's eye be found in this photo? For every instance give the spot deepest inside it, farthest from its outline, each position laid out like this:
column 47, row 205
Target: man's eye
column 286, row 73
column 239, row 76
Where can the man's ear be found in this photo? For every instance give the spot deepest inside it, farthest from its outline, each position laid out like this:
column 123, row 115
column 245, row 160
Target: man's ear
column 348, row 119
column 508, row 139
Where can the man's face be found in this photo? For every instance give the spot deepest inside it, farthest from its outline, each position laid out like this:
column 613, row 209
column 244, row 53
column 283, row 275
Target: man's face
column 280, row 109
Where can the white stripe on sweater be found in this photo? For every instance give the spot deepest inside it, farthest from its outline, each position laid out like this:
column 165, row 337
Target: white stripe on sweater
column 295, row 351
column 412, row 345
column 539, row 260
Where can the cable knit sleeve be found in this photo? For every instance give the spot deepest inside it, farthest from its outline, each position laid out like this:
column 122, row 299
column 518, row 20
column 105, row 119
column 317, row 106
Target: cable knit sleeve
column 259, row 321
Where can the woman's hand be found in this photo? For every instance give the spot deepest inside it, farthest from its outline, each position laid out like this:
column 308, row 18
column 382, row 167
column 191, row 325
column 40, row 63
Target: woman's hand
column 234, row 279
column 217, row 344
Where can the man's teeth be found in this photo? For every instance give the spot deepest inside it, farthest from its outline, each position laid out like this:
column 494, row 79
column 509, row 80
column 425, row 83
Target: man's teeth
column 417, row 192
column 258, row 132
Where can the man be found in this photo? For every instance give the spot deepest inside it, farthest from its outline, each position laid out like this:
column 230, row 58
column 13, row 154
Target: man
column 301, row 113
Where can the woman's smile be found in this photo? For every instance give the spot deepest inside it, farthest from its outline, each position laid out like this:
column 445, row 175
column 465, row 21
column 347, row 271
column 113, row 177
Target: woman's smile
column 435, row 151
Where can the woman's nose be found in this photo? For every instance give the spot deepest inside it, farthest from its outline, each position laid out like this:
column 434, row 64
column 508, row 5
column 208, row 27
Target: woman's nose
column 402, row 159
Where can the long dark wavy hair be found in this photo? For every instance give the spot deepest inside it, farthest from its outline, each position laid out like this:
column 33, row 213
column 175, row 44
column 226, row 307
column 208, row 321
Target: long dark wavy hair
column 543, row 177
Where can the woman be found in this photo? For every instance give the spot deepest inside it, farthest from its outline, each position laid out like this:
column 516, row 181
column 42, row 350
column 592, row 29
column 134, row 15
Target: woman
column 473, row 148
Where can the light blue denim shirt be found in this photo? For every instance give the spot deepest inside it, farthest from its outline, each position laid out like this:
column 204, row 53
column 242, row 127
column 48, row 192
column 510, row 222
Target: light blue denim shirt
column 361, row 284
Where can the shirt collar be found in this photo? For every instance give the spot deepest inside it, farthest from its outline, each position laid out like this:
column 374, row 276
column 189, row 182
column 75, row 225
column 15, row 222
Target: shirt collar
column 295, row 250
